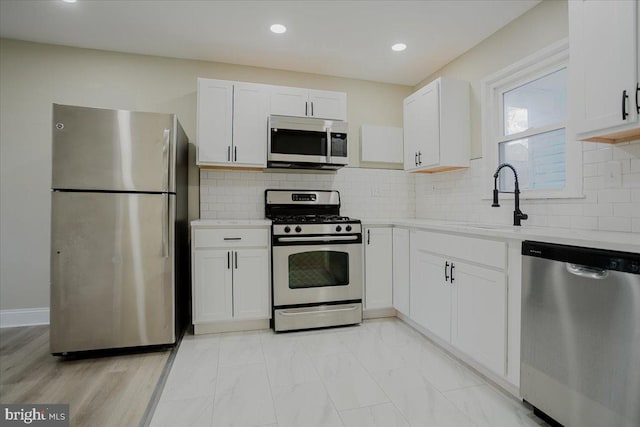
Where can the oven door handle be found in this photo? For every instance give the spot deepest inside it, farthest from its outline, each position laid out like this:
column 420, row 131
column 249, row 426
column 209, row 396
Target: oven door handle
column 335, row 310
column 316, row 239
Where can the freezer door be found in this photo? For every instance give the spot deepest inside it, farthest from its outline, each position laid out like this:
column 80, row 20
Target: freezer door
column 115, row 150
column 112, row 280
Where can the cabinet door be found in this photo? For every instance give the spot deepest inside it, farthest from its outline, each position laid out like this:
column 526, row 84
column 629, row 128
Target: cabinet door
column 422, row 128
column 479, row 314
column 289, row 101
column 378, row 268
column 215, row 121
column 251, row 284
column 430, row 303
column 604, row 55
column 429, row 139
column 412, row 127
column 250, row 112
column 212, row 290
column 326, row 104
column 401, row 270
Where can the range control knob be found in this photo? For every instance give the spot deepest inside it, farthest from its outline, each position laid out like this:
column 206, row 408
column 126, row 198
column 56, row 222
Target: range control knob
column 287, row 229
column 348, row 228
column 298, row 229
column 338, row 229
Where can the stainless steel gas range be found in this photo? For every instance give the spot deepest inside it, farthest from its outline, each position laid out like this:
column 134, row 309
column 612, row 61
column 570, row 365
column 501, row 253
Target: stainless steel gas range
column 317, row 271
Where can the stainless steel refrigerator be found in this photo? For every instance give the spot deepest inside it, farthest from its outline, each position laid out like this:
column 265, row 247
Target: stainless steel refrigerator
column 119, row 232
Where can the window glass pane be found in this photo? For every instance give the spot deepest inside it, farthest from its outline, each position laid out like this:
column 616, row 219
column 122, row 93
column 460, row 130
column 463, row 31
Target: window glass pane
column 538, row 103
column 318, row 268
column 540, row 162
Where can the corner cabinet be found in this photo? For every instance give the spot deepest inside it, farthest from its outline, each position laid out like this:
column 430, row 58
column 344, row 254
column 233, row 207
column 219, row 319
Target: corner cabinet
column 230, row 277
column 300, row 102
column 378, row 291
column 437, row 132
column 232, row 124
column 458, row 288
column 604, row 65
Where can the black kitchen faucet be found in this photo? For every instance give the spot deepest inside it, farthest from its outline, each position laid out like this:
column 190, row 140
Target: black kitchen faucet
column 517, row 213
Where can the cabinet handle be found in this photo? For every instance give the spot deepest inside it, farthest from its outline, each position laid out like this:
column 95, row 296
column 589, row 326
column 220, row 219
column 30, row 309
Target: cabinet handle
column 235, row 154
column 368, row 236
column 637, row 98
column 311, row 108
column 624, row 104
column 446, row 276
column 235, row 259
column 452, row 267
column 306, row 108
column 233, row 238
column 416, row 158
column 419, row 157
column 228, row 260
column 228, row 153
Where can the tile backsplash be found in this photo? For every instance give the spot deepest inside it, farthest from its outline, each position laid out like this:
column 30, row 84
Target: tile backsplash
column 611, row 188
column 611, row 193
column 364, row 193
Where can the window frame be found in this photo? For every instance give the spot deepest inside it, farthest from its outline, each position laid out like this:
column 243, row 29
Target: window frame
column 542, row 63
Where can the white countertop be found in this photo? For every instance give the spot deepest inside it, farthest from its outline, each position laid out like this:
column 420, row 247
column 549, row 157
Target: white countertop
column 627, row 242
column 230, row 223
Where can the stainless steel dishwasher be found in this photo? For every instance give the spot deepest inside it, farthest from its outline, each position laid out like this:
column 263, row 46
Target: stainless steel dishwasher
column 581, row 334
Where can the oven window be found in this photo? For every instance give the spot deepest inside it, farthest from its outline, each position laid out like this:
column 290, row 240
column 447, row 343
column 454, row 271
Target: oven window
column 318, row 269
column 299, row 142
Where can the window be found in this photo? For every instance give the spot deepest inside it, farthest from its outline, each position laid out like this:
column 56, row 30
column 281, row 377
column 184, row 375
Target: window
column 525, row 124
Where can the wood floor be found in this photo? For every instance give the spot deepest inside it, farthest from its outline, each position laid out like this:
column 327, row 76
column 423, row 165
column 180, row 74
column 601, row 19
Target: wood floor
column 101, row 391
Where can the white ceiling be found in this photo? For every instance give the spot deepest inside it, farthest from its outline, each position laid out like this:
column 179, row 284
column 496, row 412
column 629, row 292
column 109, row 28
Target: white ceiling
column 339, row 38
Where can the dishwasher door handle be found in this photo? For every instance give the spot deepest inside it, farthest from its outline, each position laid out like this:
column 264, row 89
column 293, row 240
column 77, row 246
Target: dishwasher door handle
column 587, row 272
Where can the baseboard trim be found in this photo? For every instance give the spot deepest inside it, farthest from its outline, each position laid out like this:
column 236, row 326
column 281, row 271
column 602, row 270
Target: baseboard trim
column 377, row 313
column 231, row 326
column 24, row 317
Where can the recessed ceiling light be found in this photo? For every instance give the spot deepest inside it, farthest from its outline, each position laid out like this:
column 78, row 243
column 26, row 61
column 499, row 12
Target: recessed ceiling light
column 278, row 28
column 399, row 47
column 69, row 1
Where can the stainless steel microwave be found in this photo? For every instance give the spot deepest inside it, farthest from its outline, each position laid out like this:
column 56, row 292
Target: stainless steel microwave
column 306, row 143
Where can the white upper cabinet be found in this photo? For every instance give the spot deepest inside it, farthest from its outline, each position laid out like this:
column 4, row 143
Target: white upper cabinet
column 603, row 67
column 232, row 123
column 437, row 133
column 299, row 102
column 215, row 121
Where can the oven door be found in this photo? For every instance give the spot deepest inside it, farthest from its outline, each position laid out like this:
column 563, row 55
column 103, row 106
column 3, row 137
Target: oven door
column 310, row 273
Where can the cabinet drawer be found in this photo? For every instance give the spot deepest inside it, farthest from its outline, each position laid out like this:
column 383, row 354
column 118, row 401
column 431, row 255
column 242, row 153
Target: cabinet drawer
column 481, row 251
column 230, row 237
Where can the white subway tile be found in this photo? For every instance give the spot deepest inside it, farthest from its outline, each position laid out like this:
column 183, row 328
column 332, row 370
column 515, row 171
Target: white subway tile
column 628, row 210
column 608, row 223
column 597, row 156
column 635, row 225
column 631, row 180
column 614, row 196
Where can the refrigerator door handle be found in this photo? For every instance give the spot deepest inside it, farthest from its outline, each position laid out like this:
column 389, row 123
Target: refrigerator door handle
column 165, row 156
column 165, row 228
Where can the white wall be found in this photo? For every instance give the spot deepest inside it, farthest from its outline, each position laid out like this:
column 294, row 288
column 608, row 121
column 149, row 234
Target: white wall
column 33, row 76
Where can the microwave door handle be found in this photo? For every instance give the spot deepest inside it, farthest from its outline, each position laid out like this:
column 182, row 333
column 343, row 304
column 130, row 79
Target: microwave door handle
column 329, row 154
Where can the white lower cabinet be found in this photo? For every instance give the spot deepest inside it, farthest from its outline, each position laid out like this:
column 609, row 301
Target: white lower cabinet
column 378, row 292
column 230, row 275
column 458, row 289
column 401, row 295
column 479, row 314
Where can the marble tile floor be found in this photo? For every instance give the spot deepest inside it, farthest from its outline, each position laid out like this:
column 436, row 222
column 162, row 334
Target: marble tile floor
column 381, row 373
